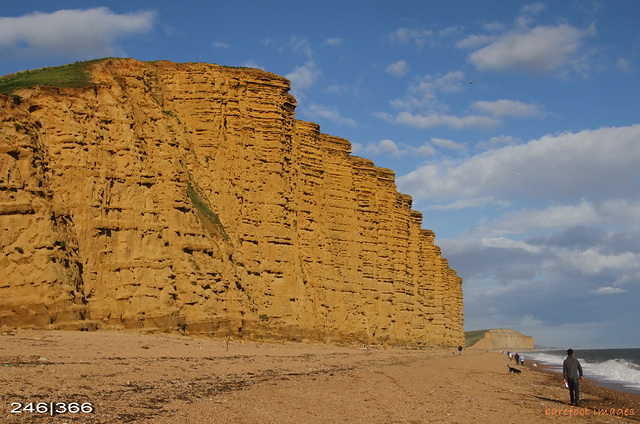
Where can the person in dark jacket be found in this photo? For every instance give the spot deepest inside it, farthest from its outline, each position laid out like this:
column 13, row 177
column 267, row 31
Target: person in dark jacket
column 572, row 374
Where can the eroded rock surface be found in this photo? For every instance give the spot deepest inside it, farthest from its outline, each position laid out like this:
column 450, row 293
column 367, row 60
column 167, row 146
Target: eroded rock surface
column 187, row 197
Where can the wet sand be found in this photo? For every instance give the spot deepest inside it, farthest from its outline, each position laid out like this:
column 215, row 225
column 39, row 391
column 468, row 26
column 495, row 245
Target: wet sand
column 126, row 377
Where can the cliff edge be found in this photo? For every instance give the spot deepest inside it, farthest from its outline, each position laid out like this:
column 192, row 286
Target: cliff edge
column 187, row 197
column 498, row 339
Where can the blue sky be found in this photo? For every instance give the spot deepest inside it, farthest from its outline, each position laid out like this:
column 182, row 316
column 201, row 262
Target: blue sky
column 514, row 125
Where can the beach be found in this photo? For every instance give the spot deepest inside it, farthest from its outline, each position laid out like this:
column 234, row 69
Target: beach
column 130, row 377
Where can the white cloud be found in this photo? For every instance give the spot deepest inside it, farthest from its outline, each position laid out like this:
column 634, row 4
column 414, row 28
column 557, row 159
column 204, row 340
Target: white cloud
column 252, row 64
column 624, row 65
column 398, row 69
column 411, row 35
column 435, row 119
column 593, row 261
column 421, row 107
column 303, row 77
column 600, row 164
column 555, row 216
column 423, row 92
column 494, row 26
column 336, row 89
column 533, row 8
column 447, row 144
column 448, row 83
column 424, row 151
column 614, row 212
column 475, row 40
column 539, row 50
column 498, row 141
column 511, row 108
column 220, row 45
column 315, row 111
column 505, row 243
column 528, row 12
column 385, row 147
column 336, row 41
column 477, row 202
column 301, row 46
column 449, row 31
column 89, row 33
column 608, row 290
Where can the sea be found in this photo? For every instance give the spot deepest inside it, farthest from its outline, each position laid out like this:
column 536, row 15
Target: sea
column 613, row 368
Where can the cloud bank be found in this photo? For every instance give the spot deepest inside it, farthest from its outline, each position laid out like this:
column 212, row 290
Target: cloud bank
column 595, row 164
column 86, row 33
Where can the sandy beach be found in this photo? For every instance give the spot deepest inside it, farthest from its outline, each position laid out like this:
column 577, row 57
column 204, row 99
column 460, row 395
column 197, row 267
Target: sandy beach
column 121, row 377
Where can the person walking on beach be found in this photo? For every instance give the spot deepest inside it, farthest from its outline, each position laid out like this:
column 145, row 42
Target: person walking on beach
column 572, row 374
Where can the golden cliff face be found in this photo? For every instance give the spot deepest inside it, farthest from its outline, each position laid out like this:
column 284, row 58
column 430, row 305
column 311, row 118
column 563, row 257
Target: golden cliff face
column 187, row 197
column 504, row 339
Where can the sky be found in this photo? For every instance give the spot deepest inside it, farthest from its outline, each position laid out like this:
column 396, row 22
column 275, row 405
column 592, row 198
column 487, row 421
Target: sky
column 515, row 126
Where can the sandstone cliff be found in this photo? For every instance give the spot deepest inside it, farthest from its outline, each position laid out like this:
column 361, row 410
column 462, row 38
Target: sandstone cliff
column 500, row 339
column 187, row 197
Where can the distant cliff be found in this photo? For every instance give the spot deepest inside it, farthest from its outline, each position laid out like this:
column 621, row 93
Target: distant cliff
column 187, row 197
column 499, row 339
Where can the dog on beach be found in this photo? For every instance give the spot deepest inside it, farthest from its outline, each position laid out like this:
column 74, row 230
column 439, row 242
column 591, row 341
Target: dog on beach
column 513, row 370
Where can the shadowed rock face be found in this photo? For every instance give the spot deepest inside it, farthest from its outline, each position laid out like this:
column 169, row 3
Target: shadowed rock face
column 187, row 197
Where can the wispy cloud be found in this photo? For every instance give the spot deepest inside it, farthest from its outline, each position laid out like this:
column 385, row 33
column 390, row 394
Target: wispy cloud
column 499, row 141
column 86, row 33
column 335, row 41
column 448, row 144
column 508, row 108
column 398, row 69
column 316, row 111
column 423, row 92
column 303, row 77
column 422, row 107
column 418, row 36
column 425, row 150
column 220, row 45
column 624, row 65
column 436, row 119
column 302, row 46
column 608, row 290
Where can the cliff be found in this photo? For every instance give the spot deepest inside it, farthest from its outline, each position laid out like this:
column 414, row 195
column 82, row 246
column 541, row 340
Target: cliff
column 187, row 197
column 499, row 339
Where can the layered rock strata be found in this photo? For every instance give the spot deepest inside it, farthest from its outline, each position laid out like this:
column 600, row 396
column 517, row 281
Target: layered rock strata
column 187, row 197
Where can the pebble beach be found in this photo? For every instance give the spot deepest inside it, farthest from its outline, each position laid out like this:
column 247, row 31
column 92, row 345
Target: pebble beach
column 127, row 377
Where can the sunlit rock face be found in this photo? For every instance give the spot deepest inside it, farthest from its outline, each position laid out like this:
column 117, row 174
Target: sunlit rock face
column 188, row 198
column 504, row 339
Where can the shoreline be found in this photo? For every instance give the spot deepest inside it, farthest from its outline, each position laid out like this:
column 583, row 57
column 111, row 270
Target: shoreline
column 609, row 384
column 164, row 378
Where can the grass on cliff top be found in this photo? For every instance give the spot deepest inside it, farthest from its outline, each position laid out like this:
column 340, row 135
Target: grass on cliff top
column 71, row 75
column 472, row 337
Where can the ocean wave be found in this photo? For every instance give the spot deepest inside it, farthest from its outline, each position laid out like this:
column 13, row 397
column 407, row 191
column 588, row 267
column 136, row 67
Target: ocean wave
column 614, row 371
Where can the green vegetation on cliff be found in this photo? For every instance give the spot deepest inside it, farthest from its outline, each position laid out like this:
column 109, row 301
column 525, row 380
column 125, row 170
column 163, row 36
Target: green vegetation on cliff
column 71, row 75
column 203, row 208
column 471, row 337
